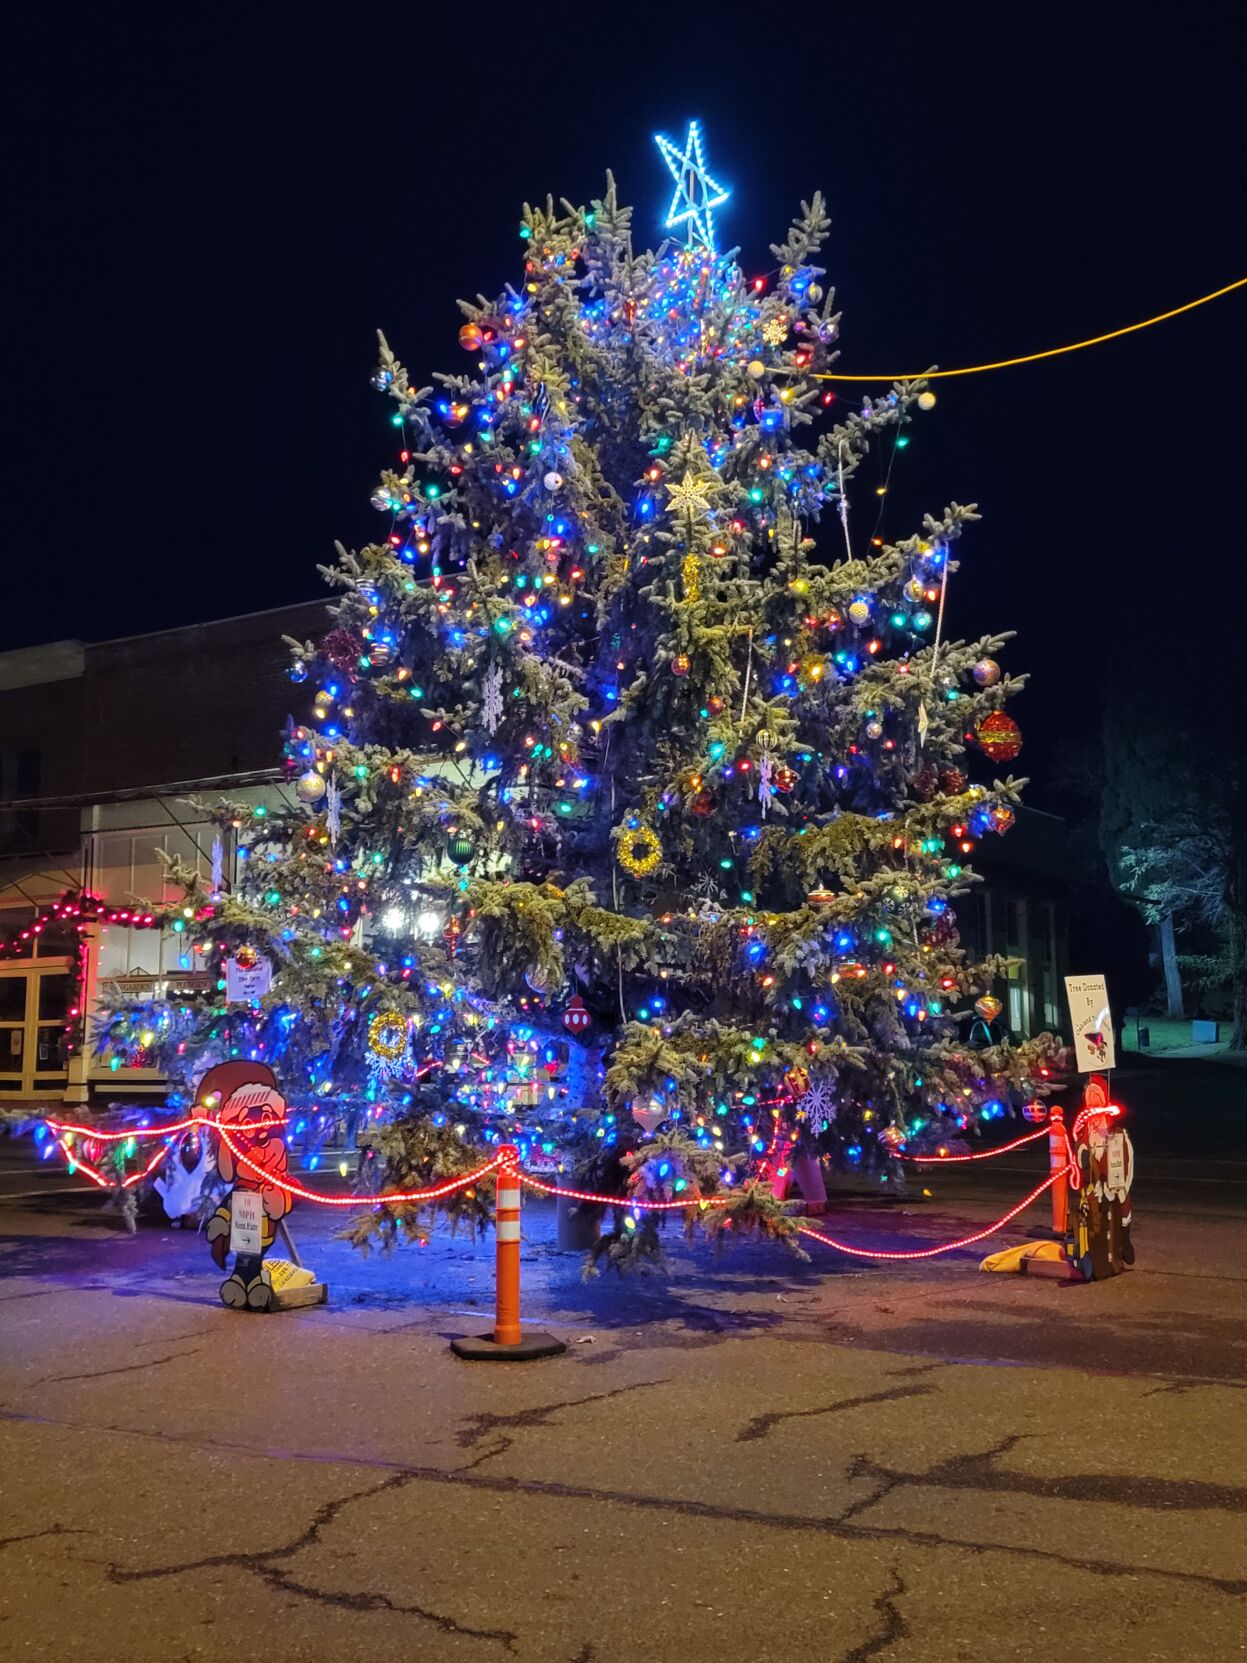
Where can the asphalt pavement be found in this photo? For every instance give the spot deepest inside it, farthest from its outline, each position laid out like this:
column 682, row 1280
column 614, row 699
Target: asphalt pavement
column 742, row 1458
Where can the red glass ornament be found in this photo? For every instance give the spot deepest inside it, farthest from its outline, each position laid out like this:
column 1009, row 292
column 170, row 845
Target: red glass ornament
column 576, row 1017
column 999, row 736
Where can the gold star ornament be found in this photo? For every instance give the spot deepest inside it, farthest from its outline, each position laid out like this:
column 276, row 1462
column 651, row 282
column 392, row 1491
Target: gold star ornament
column 690, row 496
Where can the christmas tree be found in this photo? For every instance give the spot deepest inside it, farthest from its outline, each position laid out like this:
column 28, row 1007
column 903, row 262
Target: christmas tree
column 632, row 798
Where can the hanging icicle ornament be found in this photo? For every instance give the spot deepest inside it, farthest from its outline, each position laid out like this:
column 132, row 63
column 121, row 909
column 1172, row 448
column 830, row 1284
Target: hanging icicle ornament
column 218, row 865
column 333, row 812
column 766, row 770
column 766, row 782
column 491, row 699
column 690, row 575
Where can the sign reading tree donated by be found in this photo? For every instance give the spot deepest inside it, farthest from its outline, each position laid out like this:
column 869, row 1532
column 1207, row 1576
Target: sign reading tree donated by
column 1092, row 1021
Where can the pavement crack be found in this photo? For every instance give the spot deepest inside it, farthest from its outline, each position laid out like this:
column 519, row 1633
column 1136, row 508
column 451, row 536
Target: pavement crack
column 500, row 1448
column 268, row 1566
column 125, row 1368
column 671, row 1507
column 476, row 1426
column 761, row 1425
column 863, row 1503
column 894, row 1626
column 980, row 1472
column 37, row 1535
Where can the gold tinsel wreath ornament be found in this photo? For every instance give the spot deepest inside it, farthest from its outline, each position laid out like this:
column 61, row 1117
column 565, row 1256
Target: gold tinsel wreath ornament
column 387, row 1036
column 639, row 852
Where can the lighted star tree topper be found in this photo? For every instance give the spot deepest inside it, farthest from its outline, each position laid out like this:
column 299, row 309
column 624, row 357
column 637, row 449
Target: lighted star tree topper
column 696, row 193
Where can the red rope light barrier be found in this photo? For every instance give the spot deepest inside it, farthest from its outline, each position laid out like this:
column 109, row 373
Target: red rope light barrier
column 60, row 1127
column 931, row 1252
column 621, row 1200
column 79, row 1163
column 501, row 1162
column 433, row 1194
column 982, row 1155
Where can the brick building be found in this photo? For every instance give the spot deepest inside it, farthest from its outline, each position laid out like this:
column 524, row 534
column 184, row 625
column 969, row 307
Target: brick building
column 101, row 746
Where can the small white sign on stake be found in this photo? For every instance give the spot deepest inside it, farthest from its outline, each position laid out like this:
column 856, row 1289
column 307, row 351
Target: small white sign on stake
column 1116, row 1179
column 1094, row 1043
column 246, row 1220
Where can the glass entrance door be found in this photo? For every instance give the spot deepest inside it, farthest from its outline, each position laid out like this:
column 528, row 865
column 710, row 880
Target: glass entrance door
column 34, row 1002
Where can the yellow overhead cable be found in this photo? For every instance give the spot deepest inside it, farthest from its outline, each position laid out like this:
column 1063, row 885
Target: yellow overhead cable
column 1052, row 352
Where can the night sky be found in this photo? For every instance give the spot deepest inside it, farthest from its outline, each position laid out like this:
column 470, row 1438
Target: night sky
column 212, row 217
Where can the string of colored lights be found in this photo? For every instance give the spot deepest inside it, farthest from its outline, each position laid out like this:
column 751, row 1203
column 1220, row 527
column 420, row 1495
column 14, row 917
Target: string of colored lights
column 1034, row 357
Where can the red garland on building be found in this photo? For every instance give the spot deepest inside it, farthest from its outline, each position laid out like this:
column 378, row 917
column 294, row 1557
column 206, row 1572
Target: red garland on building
column 82, row 909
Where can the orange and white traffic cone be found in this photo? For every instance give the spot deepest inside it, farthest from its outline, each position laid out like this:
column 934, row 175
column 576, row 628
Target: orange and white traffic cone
column 508, row 1343
column 1058, row 1161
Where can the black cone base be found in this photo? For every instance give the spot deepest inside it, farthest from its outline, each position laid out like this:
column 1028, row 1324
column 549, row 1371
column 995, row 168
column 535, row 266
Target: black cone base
column 485, row 1349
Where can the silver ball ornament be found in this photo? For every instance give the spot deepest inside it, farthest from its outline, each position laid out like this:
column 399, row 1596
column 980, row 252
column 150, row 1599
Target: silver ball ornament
column 553, row 481
column 311, row 787
column 986, row 672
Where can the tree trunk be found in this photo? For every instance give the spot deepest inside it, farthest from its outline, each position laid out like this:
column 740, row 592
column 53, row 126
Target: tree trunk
column 1169, row 963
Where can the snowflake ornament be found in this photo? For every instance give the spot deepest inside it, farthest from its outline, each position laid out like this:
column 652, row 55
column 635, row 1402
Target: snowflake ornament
column 491, row 699
column 818, row 1106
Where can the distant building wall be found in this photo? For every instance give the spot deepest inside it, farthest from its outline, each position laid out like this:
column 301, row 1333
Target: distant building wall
column 190, row 703
column 40, row 749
